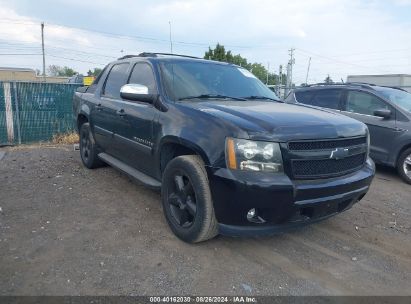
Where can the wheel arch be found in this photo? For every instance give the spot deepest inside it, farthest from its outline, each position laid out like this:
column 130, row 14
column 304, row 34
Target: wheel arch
column 172, row 146
column 403, row 148
column 81, row 119
column 82, row 116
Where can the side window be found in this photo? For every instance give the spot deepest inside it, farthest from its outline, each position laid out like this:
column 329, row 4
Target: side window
column 364, row 103
column 327, row 99
column 304, row 96
column 143, row 74
column 115, row 80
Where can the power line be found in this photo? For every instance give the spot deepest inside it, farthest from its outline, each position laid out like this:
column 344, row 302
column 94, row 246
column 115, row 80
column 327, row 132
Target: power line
column 75, row 59
column 329, row 58
column 141, row 38
column 22, row 47
column 373, row 52
column 19, row 54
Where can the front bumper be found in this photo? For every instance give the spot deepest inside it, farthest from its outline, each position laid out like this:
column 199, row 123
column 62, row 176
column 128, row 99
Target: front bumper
column 283, row 203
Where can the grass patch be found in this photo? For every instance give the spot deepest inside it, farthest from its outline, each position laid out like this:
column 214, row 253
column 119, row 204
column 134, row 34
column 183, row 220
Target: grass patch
column 66, row 138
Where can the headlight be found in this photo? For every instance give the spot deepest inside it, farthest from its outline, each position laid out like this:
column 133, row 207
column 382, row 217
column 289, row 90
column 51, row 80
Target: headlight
column 250, row 155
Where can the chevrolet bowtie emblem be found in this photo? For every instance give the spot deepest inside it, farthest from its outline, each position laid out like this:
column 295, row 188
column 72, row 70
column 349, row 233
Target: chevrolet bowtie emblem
column 339, row 153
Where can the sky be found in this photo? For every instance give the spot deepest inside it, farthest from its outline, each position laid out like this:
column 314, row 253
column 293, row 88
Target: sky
column 342, row 38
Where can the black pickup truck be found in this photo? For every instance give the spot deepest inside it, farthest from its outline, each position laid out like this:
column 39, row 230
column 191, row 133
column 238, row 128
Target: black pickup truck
column 228, row 155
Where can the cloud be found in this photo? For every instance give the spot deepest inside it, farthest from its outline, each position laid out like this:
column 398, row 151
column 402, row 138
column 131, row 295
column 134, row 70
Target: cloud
column 342, row 37
column 402, row 2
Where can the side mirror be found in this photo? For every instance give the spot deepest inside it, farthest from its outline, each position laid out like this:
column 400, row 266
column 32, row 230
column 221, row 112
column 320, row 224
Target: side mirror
column 136, row 92
column 384, row 113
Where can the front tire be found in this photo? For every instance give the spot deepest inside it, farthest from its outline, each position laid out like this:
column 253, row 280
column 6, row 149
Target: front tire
column 186, row 199
column 88, row 148
column 404, row 166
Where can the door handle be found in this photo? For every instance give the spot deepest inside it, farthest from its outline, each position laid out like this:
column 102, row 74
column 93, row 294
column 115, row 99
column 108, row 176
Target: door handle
column 121, row 113
column 99, row 107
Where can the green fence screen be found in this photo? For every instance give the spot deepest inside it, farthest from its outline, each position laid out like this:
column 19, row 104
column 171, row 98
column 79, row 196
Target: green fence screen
column 32, row 112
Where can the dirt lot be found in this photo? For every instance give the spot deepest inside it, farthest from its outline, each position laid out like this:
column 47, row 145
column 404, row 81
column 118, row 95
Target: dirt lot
column 68, row 230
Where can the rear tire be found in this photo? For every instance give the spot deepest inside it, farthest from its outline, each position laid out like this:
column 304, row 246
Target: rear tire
column 186, row 199
column 404, row 166
column 88, row 148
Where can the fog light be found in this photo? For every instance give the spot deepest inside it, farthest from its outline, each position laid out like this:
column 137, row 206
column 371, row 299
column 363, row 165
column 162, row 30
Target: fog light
column 252, row 216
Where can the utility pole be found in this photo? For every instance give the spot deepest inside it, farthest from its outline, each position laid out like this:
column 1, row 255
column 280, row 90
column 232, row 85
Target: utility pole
column 290, row 64
column 171, row 42
column 308, row 70
column 280, row 79
column 42, row 48
column 268, row 71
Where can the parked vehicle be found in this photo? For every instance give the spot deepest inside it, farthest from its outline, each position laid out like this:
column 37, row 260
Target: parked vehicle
column 385, row 110
column 228, row 156
column 76, row 79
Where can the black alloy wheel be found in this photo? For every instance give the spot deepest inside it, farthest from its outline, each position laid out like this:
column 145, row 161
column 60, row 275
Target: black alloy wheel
column 85, row 145
column 88, row 148
column 182, row 200
column 186, row 198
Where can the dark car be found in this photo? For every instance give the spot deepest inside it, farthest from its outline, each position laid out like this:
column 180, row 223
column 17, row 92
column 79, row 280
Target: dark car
column 385, row 110
column 229, row 157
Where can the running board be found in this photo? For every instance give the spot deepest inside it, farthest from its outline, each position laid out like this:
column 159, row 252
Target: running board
column 140, row 176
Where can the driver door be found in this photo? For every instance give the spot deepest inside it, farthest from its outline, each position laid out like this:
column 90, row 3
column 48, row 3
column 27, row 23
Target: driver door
column 135, row 125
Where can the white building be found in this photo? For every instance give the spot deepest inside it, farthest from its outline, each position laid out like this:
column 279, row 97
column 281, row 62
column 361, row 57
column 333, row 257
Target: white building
column 392, row 80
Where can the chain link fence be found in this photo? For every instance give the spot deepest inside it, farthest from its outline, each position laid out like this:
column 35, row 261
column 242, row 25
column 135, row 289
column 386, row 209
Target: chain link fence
column 32, row 111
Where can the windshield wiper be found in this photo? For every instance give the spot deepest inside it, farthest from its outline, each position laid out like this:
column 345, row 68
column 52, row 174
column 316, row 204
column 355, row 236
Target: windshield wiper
column 254, row 97
column 209, row 96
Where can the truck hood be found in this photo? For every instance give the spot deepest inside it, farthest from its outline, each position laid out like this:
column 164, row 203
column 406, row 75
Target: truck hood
column 280, row 121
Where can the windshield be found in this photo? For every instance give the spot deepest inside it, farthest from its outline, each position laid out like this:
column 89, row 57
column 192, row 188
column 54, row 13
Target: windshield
column 398, row 97
column 185, row 80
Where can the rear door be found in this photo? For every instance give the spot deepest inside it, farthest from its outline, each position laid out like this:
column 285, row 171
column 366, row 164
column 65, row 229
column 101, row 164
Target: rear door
column 135, row 127
column 361, row 105
column 105, row 114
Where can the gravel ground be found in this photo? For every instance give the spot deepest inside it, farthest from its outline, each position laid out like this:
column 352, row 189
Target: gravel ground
column 67, row 230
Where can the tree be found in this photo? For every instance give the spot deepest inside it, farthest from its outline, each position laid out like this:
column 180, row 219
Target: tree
column 56, row 70
column 328, row 79
column 95, row 72
column 220, row 54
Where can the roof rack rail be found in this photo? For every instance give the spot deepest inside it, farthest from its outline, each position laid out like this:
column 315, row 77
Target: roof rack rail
column 324, row 84
column 149, row 54
column 377, row 85
column 127, row 56
column 361, row 84
column 364, row 85
column 393, row 87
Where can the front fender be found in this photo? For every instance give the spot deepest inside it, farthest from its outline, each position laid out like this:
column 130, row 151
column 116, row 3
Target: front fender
column 185, row 143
